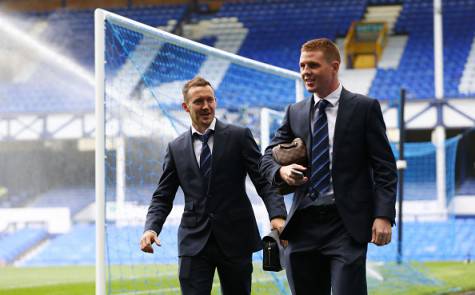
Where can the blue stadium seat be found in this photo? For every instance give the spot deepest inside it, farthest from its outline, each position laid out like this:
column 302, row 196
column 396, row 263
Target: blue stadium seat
column 14, row 244
column 416, row 68
column 430, row 241
column 74, row 248
column 423, row 241
column 121, row 247
column 271, row 39
column 71, row 33
column 75, row 199
column 14, row 200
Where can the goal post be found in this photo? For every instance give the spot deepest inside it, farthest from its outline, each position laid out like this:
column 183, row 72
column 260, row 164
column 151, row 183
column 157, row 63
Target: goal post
column 140, row 71
column 99, row 44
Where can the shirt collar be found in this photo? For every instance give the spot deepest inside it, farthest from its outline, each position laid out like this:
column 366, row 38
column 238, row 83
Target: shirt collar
column 211, row 127
column 332, row 98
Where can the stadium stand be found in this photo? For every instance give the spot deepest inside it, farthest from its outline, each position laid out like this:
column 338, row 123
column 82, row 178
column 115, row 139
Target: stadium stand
column 59, row 250
column 12, row 245
column 81, row 238
column 34, row 96
column 73, row 198
column 14, row 200
column 272, row 39
column 76, row 28
column 431, row 241
column 423, row 241
column 72, row 32
column 415, row 71
column 272, row 26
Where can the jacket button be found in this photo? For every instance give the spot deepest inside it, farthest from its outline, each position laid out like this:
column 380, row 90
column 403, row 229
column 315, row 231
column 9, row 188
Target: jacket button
column 211, row 215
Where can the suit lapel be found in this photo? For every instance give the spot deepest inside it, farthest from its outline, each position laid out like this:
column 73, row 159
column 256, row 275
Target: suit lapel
column 307, row 120
column 345, row 110
column 190, row 153
column 303, row 130
column 219, row 146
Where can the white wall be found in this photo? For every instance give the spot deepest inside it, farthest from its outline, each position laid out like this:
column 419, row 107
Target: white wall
column 56, row 220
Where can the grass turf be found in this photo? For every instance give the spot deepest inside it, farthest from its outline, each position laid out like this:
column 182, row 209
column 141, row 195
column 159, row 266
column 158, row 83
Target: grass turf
column 416, row 278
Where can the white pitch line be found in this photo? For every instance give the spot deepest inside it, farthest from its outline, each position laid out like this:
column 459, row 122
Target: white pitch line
column 374, row 273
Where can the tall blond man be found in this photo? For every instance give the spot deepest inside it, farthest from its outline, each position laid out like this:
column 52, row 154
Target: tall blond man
column 345, row 197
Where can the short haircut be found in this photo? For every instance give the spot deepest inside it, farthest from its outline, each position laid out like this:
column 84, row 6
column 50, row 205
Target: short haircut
column 195, row 82
column 326, row 46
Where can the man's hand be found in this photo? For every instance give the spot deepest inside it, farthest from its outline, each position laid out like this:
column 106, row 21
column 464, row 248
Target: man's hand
column 293, row 174
column 278, row 224
column 381, row 232
column 148, row 238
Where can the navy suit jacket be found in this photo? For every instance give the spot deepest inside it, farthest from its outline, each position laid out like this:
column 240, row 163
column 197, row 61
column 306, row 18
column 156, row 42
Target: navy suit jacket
column 363, row 167
column 222, row 207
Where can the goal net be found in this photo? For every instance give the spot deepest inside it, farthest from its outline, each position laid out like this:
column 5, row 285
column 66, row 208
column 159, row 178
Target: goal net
column 140, row 72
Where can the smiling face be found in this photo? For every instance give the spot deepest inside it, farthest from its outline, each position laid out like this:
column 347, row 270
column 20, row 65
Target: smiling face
column 319, row 74
column 200, row 103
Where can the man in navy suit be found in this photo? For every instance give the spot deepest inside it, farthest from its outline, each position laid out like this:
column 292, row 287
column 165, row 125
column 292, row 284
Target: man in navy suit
column 218, row 229
column 346, row 195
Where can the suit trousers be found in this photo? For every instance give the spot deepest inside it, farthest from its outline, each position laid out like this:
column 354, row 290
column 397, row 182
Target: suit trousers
column 196, row 272
column 322, row 258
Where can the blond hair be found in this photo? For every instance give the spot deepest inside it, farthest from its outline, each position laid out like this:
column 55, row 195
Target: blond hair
column 326, row 46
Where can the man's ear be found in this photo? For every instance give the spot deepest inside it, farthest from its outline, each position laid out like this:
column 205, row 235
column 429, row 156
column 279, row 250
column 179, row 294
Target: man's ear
column 336, row 65
column 185, row 107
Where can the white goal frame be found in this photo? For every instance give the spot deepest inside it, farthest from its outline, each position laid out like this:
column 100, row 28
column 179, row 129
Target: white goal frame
column 101, row 16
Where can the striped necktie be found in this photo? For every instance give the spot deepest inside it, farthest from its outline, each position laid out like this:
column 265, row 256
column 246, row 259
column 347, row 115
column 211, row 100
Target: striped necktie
column 205, row 157
column 320, row 177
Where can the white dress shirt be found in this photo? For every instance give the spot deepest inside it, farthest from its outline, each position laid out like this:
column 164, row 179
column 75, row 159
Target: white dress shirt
column 331, row 111
column 198, row 144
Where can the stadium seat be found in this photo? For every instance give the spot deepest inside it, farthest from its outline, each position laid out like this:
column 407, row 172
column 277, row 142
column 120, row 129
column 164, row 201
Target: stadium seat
column 12, row 245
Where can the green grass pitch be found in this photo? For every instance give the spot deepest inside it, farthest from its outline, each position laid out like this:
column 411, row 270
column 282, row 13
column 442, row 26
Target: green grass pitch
column 432, row 278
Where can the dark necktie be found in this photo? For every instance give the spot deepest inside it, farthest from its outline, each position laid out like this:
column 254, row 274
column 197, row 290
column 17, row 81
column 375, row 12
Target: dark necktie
column 320, row 177
column 205, row 157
